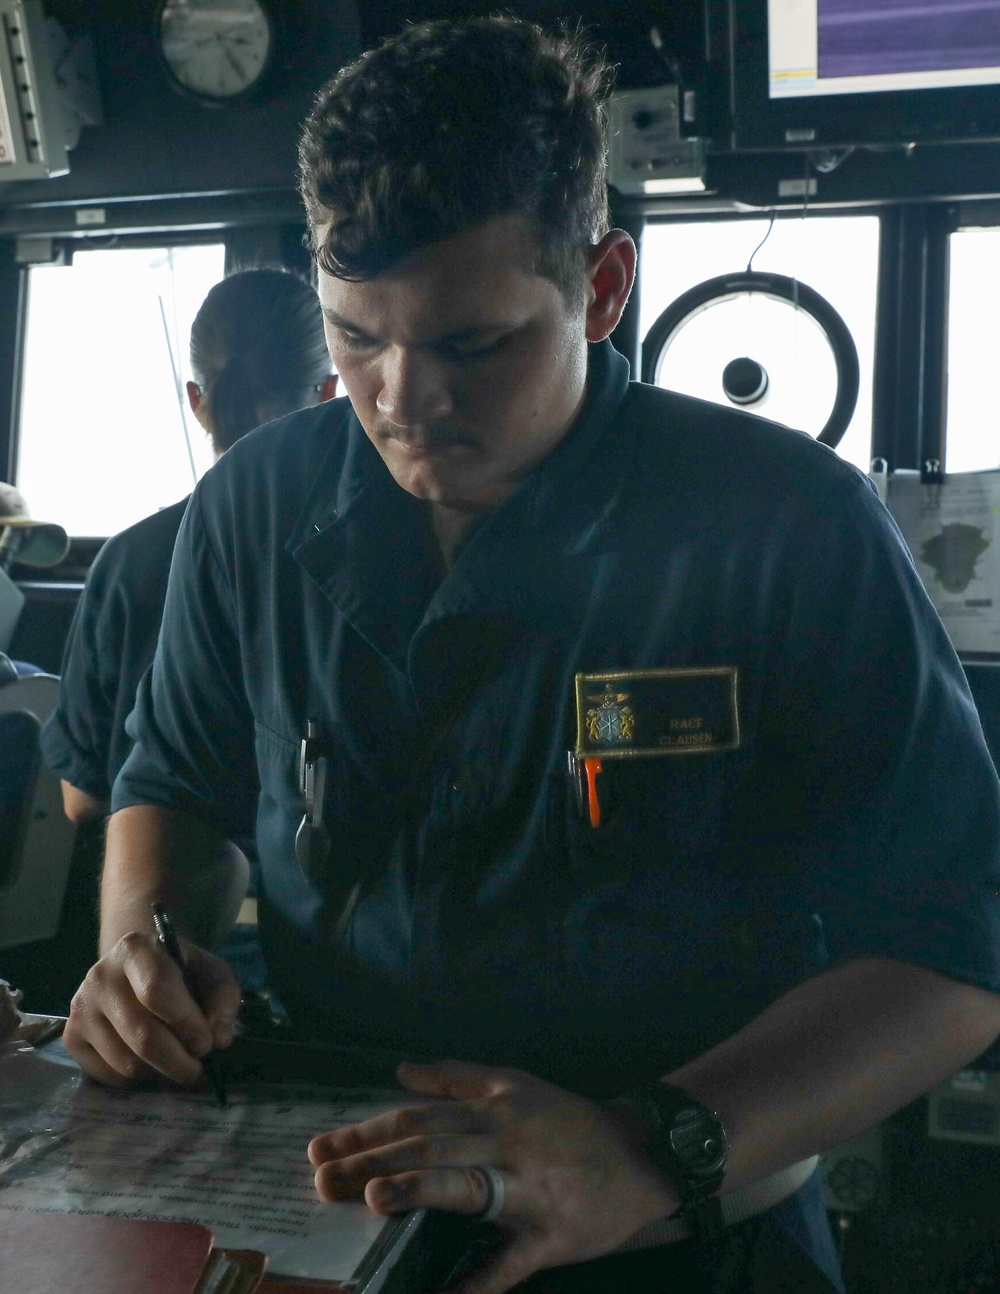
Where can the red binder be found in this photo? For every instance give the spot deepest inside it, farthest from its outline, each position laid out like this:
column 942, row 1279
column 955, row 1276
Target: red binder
column 69, row 1253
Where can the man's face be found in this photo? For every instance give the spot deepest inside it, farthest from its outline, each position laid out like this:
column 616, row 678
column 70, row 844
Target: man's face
column 464, row 366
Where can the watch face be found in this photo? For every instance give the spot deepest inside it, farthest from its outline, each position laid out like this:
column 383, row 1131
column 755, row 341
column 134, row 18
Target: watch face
column 215, row 49
column 698, row 1140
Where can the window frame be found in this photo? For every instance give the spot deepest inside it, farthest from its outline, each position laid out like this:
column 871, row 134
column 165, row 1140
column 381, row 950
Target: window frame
column 780, row 213
column 278, row 243
column 910, row 361
column 63, row 251
column 910, row 356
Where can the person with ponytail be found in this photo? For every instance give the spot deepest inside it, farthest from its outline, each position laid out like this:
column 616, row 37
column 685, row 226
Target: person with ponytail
column 257, row 352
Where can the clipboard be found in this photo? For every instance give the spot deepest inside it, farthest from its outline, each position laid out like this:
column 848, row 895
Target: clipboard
column 71, row 1147
column 285, row 1057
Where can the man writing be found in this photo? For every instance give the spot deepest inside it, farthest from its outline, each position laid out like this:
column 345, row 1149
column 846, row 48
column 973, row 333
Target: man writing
column 638, row 772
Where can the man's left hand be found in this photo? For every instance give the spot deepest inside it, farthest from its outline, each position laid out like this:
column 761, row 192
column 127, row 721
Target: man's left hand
column 577, row 1182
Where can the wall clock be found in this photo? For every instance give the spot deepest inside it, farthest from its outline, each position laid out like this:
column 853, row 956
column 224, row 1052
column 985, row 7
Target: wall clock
column 215, row 51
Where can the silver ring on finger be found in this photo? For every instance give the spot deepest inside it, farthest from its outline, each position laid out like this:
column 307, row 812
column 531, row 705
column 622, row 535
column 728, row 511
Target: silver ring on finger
column 496, row 1192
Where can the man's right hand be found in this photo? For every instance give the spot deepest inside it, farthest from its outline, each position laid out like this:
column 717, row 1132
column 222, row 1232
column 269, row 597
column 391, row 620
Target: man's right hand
column 133, row 1018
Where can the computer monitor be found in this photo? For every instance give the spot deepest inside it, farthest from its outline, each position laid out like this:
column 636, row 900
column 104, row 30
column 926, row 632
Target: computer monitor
column 815, row 73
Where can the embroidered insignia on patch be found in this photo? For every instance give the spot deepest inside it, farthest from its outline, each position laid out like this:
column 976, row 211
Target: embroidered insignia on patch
column 612, row 722
column 627, row 713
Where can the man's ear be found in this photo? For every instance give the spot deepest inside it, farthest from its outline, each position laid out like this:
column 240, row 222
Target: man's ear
column 329, row 388
column 611, row 273
column 194, row 396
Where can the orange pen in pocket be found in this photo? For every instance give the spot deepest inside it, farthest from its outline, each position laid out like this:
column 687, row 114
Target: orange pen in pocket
column 591, row 768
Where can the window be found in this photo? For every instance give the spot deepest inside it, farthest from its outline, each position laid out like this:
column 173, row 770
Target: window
column 835, row 255
column 105, row 433
column 973, row 426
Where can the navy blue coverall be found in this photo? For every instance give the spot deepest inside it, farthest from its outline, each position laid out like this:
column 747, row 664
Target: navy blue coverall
column 718, row 608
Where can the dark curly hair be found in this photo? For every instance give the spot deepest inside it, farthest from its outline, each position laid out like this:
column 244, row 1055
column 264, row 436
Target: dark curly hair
column 450, row 124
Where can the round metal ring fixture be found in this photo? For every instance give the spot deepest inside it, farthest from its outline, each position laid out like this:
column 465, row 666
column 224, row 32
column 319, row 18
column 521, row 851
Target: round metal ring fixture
column 745, row 381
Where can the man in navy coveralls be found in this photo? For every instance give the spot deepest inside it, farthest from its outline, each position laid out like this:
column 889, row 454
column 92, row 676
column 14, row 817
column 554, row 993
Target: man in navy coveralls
column 637, row 771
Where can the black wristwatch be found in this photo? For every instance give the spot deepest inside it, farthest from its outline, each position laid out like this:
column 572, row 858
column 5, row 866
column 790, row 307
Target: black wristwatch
column 687, row 1142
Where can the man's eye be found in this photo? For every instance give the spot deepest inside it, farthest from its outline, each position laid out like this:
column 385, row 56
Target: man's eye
column 476, row 350
column 354, row 341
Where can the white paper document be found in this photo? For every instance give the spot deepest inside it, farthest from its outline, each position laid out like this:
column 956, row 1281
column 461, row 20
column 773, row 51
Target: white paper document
column 953, row 531
column 71, row 1146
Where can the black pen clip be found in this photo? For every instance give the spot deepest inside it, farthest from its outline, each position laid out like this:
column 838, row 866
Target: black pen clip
column 584, row 771
column 312, row 841
column 578, row 785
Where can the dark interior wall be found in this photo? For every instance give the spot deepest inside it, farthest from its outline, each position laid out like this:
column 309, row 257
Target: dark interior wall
column 694, row 35
column 155, row 142
column 623, row 29
column 44, row 624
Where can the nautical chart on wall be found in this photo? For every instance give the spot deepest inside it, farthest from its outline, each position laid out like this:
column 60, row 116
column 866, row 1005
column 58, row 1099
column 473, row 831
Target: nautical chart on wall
column 953, row 531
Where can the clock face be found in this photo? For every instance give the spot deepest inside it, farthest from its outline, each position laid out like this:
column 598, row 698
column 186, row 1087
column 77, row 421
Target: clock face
column 215, row 49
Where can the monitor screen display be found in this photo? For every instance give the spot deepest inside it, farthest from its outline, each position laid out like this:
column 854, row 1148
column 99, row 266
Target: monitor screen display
column 818, row 47
column 814, row 73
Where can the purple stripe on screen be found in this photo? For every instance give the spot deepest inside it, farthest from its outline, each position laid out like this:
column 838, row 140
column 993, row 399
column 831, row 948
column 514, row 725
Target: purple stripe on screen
column 862, row 38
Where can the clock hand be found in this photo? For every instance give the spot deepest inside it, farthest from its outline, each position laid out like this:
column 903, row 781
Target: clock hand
column 234, row 63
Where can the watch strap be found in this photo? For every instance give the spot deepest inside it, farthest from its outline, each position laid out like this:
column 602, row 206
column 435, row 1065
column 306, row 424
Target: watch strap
column 687, row 1142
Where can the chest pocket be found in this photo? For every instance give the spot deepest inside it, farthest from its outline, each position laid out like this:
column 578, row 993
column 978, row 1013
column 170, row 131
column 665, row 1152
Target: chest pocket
column 656, row 811
column 665, row 739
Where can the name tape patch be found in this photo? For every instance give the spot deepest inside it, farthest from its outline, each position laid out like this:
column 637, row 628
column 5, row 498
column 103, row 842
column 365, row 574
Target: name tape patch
column 627, row 713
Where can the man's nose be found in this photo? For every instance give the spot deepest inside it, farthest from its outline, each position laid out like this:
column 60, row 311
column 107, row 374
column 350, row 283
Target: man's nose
column 415, row 388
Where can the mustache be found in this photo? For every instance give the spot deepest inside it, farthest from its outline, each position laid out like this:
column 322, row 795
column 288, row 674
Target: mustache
column 423, row 438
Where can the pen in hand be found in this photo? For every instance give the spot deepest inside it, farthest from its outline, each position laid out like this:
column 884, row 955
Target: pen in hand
column 167, row 936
